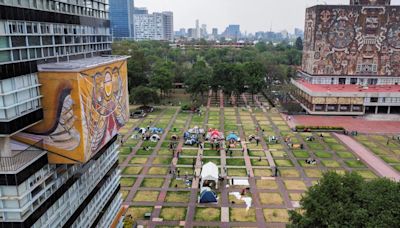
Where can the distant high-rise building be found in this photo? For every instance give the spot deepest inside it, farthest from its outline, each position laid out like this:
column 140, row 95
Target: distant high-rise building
column 191, row 33
column 168, row 25
column 197, row 35
column 121, row 18
column 215, row 32
column 232, row 32
column 140, row 10
column 298, row 33
column 156, row 26
column 204, row 32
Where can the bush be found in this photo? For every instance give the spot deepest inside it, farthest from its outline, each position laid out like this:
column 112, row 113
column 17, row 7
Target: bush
column 318, row 128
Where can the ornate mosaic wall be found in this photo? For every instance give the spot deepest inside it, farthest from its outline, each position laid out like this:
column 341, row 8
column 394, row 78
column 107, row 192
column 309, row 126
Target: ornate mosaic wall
column 352, row 40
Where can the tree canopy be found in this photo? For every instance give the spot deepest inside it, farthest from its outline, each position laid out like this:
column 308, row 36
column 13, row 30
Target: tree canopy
column 144, row 95
column 349, row 201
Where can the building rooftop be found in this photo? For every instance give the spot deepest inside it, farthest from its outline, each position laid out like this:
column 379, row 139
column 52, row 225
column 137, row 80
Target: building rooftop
column 22, row 155
column 349, row 88
column 81, row 64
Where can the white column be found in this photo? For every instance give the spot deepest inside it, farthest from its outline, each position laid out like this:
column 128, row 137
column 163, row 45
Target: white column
column 5, row 150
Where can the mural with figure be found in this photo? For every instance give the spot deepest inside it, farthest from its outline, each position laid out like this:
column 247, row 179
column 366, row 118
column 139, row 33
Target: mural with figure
column 83, row 111
column 352, row 40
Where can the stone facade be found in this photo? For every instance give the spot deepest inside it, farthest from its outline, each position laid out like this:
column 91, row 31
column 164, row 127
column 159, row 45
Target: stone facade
column 352, row 40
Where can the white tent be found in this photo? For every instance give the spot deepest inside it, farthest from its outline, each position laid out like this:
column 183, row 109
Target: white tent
column 209, row 172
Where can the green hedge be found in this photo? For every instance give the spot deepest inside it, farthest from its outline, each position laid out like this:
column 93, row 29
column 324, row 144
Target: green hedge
column 319, row 128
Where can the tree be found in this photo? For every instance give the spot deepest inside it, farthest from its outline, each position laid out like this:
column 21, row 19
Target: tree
column 198, row 79
column 261, row 46
column 144, row 95
column 255, row 72
column 349, row 201
column 162, row 77
column 299, row 44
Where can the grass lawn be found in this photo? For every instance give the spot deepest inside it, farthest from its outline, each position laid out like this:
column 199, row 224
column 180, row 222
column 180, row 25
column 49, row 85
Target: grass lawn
column 323, row 154
column 257, row 162
column 144, row 152
column 266, row 184
column 330, row 163
column 313, row 173
column 185, row 170
column 125, row 150
column 276, row 215
column 315, row 146
column 178, row 197
column 295, row 185
column 146, row 196
column 216, row 161
column 301, row 154
column 210, row 153
column 127, row 181
column 158, row 171
column 133, row 170
column 262, row 172
column 237, row 172
column 354, row 163
column 164, row 151
column 397, row 167
column 138, row 160
column 295, row 196
column 173, row 213
column 121, row 159
column 152, row 182
column 345, row 155
column 235, row 162
column 189, row 152
column 283, row 162
column 124, row 194
column 186, row 161
column 289, row 173
column 177, row 183
column 271, row 198
column 278, row 154
column 242, row 215
column 367, row 174
column 257, row 153
column 337, row 147
column 209, row 214
column 162, row 161
column 137, row 213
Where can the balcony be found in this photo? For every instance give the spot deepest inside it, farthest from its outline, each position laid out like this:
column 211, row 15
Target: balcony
column 22, row 155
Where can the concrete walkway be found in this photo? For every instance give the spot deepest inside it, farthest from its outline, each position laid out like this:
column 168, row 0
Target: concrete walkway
column 369, row 158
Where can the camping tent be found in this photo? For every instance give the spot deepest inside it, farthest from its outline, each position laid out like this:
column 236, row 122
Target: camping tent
column 207, row 196
column 214, row 135
column 142, row 130
column 232, row 136
column 209, row 175
column 154, row 138
column 156, row 130
column 196, row 130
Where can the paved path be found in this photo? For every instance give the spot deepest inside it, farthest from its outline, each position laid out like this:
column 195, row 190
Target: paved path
column 369, row 158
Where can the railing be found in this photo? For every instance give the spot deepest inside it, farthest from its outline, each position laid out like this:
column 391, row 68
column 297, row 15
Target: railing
column 20, row 158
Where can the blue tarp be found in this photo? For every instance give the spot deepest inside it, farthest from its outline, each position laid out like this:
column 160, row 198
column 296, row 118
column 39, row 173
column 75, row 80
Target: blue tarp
column 208, row 197
column 232, row 136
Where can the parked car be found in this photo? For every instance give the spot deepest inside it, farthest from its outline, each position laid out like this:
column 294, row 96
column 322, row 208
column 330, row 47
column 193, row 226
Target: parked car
column 140, row 113
column 146, row 109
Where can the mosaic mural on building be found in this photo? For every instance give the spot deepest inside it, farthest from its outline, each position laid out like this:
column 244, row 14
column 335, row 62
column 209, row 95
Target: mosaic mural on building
column 352, row 40
column 83, row 112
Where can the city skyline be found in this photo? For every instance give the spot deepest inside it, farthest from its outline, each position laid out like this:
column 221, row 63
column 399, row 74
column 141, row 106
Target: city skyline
column 239, row 12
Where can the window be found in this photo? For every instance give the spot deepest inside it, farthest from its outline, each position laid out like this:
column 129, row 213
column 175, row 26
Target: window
column 374, row 99
column 342, row 81
column 353, row 81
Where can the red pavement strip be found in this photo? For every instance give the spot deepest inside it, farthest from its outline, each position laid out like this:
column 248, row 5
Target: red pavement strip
column 349, row 123
column 368, row 157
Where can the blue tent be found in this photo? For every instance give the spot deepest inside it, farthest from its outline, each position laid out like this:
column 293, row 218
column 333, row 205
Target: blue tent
column 232, row 136
column 208, row 196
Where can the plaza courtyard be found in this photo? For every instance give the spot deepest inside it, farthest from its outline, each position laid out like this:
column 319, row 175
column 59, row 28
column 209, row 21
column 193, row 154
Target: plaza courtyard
column 160, row 177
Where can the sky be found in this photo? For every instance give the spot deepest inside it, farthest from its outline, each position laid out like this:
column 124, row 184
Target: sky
column 252, row 15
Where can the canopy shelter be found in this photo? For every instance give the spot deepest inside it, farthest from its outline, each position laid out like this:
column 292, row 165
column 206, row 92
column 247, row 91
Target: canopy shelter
column 196, row 130
column 207, row 196
column 209, row 175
